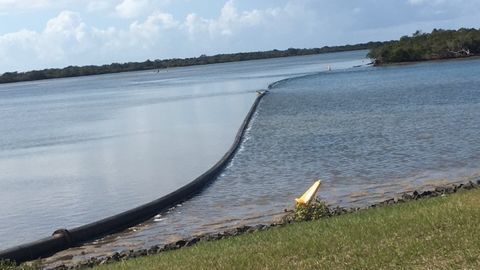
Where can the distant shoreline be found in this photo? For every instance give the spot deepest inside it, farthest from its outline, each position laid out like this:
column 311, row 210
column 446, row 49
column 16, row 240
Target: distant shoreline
column 388, row 64
column 79, row 71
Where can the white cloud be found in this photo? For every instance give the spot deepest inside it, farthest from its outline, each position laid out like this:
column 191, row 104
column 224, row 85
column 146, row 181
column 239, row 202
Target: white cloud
column 191, row 23
column 98, row 5
column 166, row 20
column 132, row 8
column 63, row 37
column 228, row 23
column 416, row 2
column 18, row 43
column 149, row 33
column 144, row 29
column 230, row 19
column 67, row 23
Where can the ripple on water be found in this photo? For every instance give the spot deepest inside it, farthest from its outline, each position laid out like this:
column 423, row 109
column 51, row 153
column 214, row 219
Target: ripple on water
column 368, row 134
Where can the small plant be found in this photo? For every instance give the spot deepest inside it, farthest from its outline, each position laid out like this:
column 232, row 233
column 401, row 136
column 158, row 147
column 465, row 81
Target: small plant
column 8, row 265
column 314, row 210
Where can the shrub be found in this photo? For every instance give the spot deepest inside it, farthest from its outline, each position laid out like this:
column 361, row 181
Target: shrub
column 315, row 210
column 8, row 265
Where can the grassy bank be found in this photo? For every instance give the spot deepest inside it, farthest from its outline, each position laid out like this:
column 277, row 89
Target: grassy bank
column 437, row 233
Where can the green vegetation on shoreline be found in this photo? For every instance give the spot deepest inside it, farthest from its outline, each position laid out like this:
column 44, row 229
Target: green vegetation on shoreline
column 436, row 233
column 75, row 71
column 439, row 44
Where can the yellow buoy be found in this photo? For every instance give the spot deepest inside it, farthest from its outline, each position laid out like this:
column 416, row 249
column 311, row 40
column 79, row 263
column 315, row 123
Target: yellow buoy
column 309, row 194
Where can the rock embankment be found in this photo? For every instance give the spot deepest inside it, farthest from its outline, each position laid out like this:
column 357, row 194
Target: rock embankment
column 404, row 197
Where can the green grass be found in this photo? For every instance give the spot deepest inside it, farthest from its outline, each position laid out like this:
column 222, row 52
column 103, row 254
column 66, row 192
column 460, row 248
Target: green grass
column 439, row 233
column 10, row 266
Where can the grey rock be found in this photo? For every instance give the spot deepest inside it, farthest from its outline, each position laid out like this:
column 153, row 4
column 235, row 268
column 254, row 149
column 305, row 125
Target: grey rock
column 426, row 194
column 469, row 185
column 242, row 229
column 153, row 249
column 170, row 246
column 192, row 241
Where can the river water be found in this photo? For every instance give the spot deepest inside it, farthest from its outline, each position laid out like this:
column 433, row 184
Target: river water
column 75, row 150
column 369, row 133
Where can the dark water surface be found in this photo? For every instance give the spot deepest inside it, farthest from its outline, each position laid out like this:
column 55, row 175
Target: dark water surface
column 75, row 150
column 368, row 133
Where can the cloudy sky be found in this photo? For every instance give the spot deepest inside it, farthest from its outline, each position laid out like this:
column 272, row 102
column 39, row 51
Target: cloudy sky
column 36, row 34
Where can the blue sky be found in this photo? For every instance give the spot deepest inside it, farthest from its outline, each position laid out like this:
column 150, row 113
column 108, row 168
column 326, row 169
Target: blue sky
column 36, row 34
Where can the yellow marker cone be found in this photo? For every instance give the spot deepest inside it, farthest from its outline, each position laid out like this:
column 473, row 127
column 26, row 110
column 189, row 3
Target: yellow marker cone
column 309, row 194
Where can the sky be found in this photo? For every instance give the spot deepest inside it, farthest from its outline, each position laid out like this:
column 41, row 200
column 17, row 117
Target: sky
column 37, row 34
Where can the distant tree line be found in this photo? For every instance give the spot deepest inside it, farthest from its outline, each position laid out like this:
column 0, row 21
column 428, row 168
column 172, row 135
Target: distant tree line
column 439, row 44
column 74, row 71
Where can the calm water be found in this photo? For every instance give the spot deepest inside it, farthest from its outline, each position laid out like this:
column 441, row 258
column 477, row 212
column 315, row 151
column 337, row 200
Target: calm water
column 76, row 150
column 368, row 133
